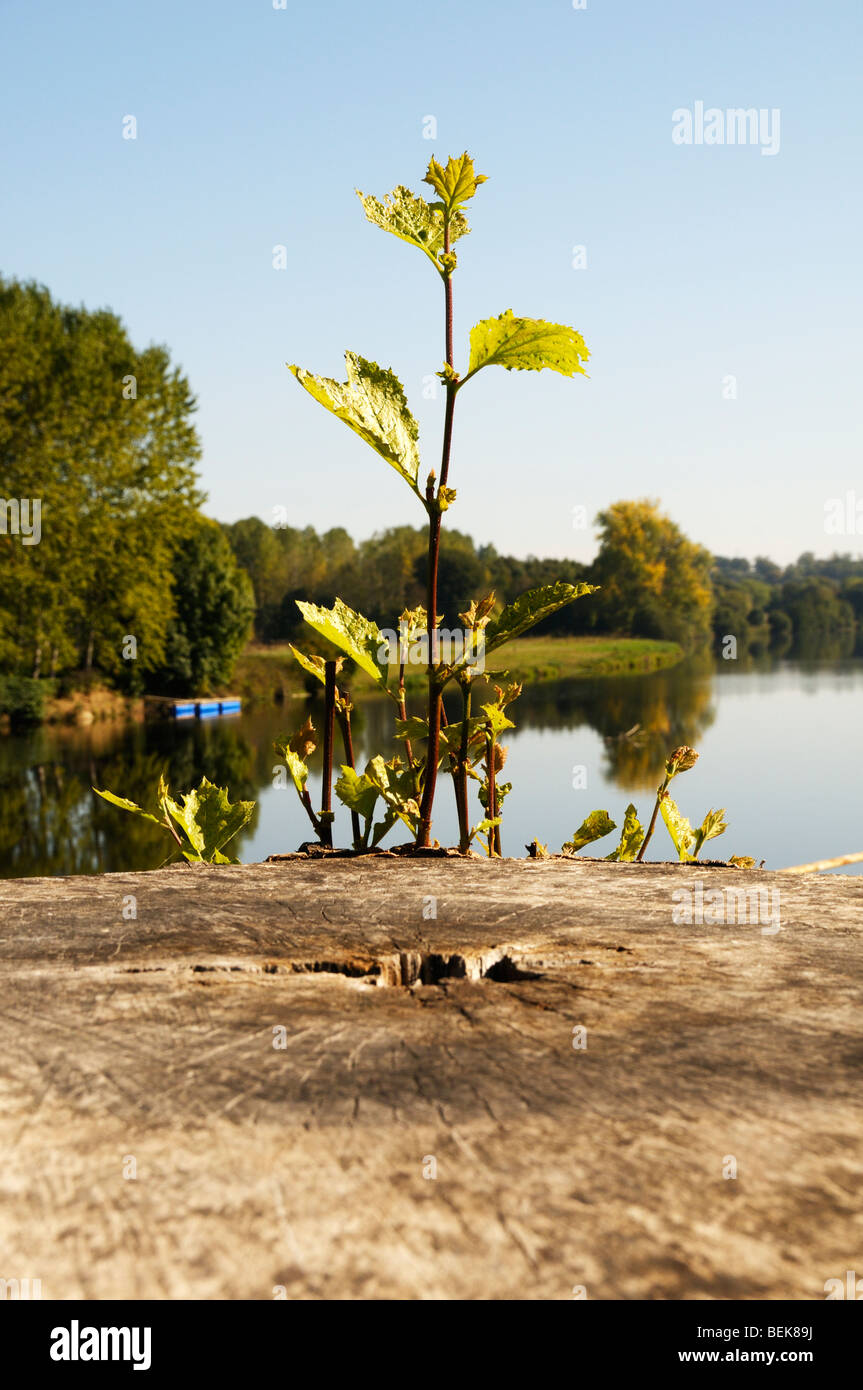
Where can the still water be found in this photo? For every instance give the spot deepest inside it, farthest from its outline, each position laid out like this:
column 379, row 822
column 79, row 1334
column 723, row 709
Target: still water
column 781, row 749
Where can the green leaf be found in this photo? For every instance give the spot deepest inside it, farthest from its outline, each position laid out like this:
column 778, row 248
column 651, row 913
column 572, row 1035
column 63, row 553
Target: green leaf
column 295, row 765
column 630, row 838
column 357, row 791
column 712, row 826
column 126, row 805
column 445, row 498
column 205, row 818
column 413, row 220
column 413, row 728
column 353, row 634
column 372, row 403
column 526, row 345
column 396, row 786
column 416, row 728
column 598, row 823
column 456, row 183
column 742, row 861
column 484, row 826
column 412, row 622
column 530, row 608
column 451, row 734
column 679, row 828
column 209, row 820
column 495, row 719
column 314, row 664
column 501, row 791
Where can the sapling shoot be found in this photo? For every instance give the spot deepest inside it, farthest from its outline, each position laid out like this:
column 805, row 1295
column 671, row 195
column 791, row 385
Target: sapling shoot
column 372, row 403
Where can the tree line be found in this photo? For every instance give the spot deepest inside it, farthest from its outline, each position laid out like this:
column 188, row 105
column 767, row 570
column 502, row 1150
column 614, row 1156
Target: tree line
column 109, row 570
column 126, row 579
column 654, row 583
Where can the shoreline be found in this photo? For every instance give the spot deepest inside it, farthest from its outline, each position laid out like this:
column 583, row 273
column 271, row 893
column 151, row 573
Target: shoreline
column 270, row 675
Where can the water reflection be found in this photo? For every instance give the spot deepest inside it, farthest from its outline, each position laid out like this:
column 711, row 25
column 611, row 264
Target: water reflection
column 623, row 728
column 50, row 821
column 640, row 718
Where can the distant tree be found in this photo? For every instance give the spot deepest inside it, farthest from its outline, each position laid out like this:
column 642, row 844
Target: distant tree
column 655, row 582
column 818, row 614
column 461, row 576
column 257, row 549
column 766, row 570
column 852, row 593
column 214, row 605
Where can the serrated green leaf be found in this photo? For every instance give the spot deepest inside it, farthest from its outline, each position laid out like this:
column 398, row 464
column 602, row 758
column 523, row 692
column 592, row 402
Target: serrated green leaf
column 501, row 791
column 678, row 827
column 208, row 819
column 412, row 622
column 353, row 634
column 597, row 824
column 495, row 719
column 396, row 786
column 526, row 345
column 412, row 219
column 445, row 498
column 295, row 765
column 530, row 608
column 484, row 826
column 372, row 403
column 451, row 734
column 357, row 791
column 314, row 664
column 455, row 183
column 205, row 818
column 413, row 728
column 126, row 805
column 317, row 667
column 630, row 838
column 742, row 861
column 712, row 826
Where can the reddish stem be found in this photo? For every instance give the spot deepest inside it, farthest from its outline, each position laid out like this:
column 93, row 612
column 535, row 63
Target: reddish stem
column 327, row 786
column 492, row 795
column 434, row 703
column 347, row 740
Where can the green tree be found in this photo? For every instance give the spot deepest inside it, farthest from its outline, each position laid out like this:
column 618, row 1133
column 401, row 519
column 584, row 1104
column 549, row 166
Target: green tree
column 654, row 581
column 257, row 549
column 101, row 436
column 214, row 604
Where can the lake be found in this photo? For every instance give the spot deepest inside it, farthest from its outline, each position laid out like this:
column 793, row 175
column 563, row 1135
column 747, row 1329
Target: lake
column 781, row 746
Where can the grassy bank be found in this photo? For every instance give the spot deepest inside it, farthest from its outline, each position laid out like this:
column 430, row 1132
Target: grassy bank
column 559, row 658
column 265, row 674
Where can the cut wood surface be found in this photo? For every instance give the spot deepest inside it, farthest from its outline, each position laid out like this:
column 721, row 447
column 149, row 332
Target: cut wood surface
column 511, row 1080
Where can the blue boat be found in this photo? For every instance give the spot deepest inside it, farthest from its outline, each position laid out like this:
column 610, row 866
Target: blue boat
column 205, row 709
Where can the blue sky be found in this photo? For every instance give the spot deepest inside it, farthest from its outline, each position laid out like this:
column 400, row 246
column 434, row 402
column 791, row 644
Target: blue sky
column 254, row 126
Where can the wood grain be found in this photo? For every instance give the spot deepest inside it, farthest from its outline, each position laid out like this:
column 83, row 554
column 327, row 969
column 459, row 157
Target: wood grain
column 411, row 1037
